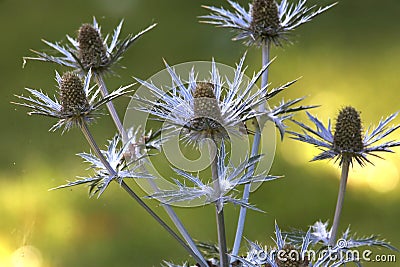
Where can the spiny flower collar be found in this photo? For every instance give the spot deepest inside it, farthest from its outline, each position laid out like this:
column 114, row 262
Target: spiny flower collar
column 348, row 142
column 90, row 50
column 78, row 101
column 264, row 21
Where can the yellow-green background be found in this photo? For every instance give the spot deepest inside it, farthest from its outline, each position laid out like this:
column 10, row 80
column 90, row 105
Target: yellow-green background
column 350, row 55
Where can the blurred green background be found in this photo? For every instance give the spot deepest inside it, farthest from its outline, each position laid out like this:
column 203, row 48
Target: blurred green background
column 349, row 55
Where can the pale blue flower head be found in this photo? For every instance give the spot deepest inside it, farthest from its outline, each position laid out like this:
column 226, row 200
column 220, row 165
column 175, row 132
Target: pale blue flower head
column 192, row 187
column 78, row 102
column 348, row 141
column 123, row 167
column 211, row 109
column 90, row 50
column 264, row 21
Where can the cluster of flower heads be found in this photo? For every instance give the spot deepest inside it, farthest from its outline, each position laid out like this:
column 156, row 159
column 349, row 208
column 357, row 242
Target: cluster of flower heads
column 264, row 21
column 212, row 109
column 303, row 249
column 79, row 103
column 309, row 249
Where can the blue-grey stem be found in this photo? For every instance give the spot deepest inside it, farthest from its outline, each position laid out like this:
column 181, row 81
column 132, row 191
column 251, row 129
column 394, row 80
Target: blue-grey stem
column 168, row 209
column 110, row 106
column 339, row 203
column 219, row 209
column 89, row 137
column 254, row 151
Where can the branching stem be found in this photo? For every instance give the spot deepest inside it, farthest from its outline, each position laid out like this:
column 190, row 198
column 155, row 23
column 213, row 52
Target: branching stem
column 89, row 137
column 171, row 213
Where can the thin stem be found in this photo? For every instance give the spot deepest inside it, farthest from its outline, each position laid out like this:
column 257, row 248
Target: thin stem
column 182, row 230
column 171, row 213
column 89, row 137
column 254, row 151
column 110, row 106
column 265, row 60
column 219, row 211
column 339, row 203
column 163, row 224
column 93, row 145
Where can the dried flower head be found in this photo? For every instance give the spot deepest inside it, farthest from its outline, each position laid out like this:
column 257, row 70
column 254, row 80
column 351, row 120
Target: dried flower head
column 206, row 112
column 265, row 21
column 72, row 95
column 265, row 18
column 90, row 50
column 78, row 101
column 347, row 137
column 213, row 109
column 348, row 142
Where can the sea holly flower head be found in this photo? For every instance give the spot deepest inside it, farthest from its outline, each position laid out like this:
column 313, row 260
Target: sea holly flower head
column 336, row 255
column 264, row 21
column 283, row 253
column 115, row 156
column 215, row 109
column 308, row 249
column 90, row 50
column 78, row 102
column 229, row 178
column 348, row 142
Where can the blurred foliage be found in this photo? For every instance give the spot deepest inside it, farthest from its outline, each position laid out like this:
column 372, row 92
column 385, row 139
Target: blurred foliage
column 350, row 55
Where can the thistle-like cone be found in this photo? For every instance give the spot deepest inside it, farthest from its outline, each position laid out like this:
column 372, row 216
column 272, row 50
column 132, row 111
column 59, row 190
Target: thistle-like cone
column 348, row 131
column 72, row 96
column 207, row 115
column 265, row 20
column 92, row 52
column 289, row 256
column 205, row 103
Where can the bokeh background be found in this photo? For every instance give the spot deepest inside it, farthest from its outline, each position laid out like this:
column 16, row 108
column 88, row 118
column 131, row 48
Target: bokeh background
column 347, row 56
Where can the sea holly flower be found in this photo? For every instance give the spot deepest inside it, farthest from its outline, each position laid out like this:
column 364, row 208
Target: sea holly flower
column 78, row 101
column 90, row 50
column 348, row 141
column 320, row 234
column 308, row 249
column 264, row 21
column 115, row 156
column 229, row 177
column 212, row 109
column 282, row 254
